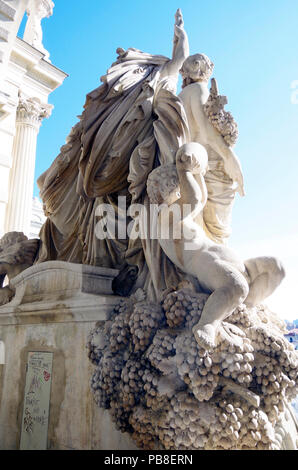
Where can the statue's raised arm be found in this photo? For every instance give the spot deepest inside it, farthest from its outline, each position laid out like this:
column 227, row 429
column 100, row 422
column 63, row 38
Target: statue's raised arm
column 180, row 47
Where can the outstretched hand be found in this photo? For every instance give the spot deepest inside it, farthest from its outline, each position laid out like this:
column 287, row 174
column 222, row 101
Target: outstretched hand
column 180, row 48
column 178, row 32
column 179, row 26
column 179, row 18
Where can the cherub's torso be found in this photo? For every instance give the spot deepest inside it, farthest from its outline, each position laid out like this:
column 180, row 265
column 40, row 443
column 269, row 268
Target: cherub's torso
column 197, row 95
column 187, row 245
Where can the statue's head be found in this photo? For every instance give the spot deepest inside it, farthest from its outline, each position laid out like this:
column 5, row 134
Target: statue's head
column 11, row 238
column 194, row 157
column 163, row 185
column 196, row 68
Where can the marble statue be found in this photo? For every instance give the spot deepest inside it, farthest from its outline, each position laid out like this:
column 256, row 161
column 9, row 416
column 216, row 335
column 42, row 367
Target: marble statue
column 109, row 155
column 17, row 253
column 224, row 176
column 133, row 123
column 218, row 269
column 190, row 358
column 36, row 11
column 197, row 362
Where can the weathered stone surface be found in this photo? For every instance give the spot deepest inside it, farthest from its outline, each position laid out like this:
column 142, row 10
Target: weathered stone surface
column 17, row 253
column 170, row 393
column 61, row 327
column 57, row 292
column 203, row 366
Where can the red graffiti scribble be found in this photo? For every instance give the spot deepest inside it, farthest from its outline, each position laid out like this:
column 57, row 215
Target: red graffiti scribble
column 46, row 375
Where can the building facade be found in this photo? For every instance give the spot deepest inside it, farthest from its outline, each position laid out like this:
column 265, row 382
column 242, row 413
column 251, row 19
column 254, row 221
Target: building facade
column 292, row 337
column 27, row 77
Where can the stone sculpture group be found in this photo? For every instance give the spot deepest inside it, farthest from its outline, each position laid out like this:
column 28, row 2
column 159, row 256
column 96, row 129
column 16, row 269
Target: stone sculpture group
column 191, row 359
column 169, row 393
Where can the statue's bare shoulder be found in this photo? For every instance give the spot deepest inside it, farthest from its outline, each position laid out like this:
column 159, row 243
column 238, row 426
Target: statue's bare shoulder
column 196, row 90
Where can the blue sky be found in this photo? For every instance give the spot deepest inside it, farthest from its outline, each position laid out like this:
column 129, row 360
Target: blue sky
column 253, row 44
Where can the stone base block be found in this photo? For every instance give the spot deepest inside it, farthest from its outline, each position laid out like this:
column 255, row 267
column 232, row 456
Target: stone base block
column 36, row 321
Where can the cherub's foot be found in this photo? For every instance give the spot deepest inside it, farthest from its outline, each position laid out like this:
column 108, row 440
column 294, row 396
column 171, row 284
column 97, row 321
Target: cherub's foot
column 205, row 336
column 232, row 334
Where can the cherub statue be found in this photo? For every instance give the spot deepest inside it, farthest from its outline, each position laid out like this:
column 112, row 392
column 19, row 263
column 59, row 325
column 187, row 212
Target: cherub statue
column 224, row 176
column 230, row 281
column 17, row 253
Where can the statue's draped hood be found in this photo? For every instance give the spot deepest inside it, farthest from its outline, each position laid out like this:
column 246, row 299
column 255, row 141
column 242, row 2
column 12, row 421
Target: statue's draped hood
column 115, row 120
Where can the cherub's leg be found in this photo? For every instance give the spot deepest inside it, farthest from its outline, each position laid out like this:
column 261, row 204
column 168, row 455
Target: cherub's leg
column 265, row 274
column 230, row 289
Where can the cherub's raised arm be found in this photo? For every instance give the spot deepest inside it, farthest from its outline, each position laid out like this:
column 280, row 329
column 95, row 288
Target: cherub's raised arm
column 180, row 47
column 180, row 43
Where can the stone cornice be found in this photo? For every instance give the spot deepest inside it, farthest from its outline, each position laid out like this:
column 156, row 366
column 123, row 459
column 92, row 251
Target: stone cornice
column 32, row 62
column 7, row 10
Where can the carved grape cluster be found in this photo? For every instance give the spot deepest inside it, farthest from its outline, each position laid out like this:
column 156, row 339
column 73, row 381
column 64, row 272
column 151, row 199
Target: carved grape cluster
column 169, row 393
column 222, row 120
column 143, row 323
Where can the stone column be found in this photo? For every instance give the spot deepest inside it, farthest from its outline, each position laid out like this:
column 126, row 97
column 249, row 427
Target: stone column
column 29, row 115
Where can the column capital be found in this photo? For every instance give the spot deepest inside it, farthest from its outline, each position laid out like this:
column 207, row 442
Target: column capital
column 32, row 111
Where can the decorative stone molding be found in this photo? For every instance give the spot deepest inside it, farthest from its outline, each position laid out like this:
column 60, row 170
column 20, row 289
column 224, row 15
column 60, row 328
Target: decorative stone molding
column 75, row 292
column 32, row 111
column 60, row 280
column 7, row 10
column 4, row 34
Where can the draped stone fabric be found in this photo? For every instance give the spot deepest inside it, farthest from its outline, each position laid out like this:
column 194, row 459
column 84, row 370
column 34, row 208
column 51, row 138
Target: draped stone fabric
column 130, row 124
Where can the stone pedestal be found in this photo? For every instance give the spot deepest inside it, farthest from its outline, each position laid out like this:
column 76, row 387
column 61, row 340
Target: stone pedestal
column 55, row 307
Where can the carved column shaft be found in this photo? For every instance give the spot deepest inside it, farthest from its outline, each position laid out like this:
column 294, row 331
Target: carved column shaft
column 28, row 120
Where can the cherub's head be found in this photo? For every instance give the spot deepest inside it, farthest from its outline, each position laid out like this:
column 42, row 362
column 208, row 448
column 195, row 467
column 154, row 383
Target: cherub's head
column 193, row 157
column 6, row 242
column 196, row 68
column 11, row 238
column 163, row 185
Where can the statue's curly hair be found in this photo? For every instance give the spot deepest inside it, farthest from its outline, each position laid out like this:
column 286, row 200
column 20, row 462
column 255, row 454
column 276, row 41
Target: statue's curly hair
column 11, row 238
column 196, row 68
column 162, row 182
